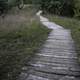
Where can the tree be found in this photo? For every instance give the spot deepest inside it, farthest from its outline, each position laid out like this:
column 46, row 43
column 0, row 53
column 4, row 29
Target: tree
column 77, row 8
column 3, row 6
column 67, row 8
column 60, row 7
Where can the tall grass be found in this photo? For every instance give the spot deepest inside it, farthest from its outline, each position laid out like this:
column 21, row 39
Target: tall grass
column 21, row 35
column 73, row 25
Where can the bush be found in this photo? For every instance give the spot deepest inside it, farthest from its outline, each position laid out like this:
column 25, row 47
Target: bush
column 77, row 8
column 60, row 7
column 21, row 35
column 3, row 6
column 28, row 1
column 17, row 47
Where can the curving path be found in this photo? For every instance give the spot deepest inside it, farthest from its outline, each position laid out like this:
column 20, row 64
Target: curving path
column 57, row 60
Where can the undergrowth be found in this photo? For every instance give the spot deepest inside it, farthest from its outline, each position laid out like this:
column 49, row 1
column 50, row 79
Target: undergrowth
column 21, row 35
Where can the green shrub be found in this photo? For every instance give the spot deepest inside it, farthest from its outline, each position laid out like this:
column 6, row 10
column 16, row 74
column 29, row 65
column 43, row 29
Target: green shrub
column 77, row 8
column 3, row 6
column 21, row 35
column 17, row 46
column 6, row 5
column 60, row 7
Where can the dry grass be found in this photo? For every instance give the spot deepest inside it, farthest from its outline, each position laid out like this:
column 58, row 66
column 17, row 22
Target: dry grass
column 15, row 18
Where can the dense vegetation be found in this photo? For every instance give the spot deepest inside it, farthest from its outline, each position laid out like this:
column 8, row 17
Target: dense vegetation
column 60, row 7
column 6, row 5
column 73, row 25
column 20, row 36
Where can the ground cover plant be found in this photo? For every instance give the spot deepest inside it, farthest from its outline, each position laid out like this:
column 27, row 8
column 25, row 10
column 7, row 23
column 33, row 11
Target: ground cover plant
column 21, row 35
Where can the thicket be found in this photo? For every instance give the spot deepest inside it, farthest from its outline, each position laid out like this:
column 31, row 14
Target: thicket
column 3, row 6
column 60, row 7
column 21, row 35
column 6, row 5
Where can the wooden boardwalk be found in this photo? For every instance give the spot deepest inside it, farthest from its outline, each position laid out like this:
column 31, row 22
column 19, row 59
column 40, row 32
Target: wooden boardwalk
column 56, row 60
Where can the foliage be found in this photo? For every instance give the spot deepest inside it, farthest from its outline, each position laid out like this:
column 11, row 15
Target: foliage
column 60, row 7
column 77, row 8
column 17, row 46
column 28, row 1
column 20, row 36
column 5, row 5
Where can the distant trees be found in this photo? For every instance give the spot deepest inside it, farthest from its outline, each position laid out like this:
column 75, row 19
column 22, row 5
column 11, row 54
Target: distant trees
column 5, row 5
column 60, row 7
column 28, row 1
column 77, row 8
